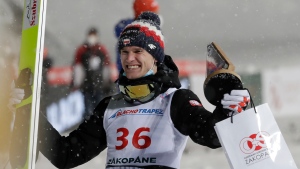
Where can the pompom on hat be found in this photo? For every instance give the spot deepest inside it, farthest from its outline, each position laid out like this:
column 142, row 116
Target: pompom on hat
column 140, row 6
column 144, row 32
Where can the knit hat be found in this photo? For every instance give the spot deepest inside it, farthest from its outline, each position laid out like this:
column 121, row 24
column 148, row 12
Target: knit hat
column 144, row 32
column 140, row 6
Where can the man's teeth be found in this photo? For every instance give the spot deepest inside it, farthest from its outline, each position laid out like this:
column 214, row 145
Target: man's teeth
column 133, row 67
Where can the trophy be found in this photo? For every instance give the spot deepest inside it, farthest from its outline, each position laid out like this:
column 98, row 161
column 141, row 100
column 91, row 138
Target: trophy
column 220, row 75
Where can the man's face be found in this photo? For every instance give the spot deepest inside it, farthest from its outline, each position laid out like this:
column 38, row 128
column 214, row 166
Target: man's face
column 92, row 39
column 136, row 62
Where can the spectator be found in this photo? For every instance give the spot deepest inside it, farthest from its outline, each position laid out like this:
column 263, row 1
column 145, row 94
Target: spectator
column 91, row 71
column 47, row 64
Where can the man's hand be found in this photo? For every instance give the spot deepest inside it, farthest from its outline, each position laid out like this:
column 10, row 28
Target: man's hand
column 236, row 101
column 16, row 96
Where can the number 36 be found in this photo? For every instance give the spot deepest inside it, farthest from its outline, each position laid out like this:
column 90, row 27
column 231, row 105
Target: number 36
column 135, row 139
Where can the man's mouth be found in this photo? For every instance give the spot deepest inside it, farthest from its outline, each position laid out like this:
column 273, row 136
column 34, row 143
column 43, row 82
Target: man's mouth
column 133, row 66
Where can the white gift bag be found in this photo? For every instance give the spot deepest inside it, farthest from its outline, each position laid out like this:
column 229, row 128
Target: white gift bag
column 253, row 141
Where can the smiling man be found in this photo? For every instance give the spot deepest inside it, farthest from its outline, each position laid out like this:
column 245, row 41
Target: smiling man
column 148, row 123
column 136, row 62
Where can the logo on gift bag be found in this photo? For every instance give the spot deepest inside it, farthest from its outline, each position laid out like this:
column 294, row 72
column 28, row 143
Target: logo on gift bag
column 254, row 142
column 256, row 146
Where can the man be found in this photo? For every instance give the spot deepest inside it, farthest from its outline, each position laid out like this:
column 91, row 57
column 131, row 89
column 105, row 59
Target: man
column 148, row 123
column 138, row 7
column 91, row 71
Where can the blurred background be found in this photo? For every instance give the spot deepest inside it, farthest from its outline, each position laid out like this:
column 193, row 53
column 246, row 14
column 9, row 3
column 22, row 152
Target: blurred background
column 261, row 38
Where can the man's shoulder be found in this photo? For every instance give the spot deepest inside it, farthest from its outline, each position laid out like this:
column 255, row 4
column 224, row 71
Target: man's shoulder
column 184, row 94
column 82, row 46
column 184, row 91
column 117, row 96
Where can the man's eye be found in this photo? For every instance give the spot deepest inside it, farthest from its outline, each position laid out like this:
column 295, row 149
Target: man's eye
column 138, row 51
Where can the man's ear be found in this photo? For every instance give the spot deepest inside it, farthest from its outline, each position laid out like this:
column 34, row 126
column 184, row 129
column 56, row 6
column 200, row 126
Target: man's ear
column 155, row 62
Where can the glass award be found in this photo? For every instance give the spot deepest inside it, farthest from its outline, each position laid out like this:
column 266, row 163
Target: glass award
column 220, row 75
column 214, row 60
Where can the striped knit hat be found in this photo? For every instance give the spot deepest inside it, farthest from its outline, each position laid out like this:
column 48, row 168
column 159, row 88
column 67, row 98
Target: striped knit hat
column 144, row 32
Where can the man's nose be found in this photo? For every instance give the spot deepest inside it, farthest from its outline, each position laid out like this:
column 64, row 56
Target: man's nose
column 130, row 56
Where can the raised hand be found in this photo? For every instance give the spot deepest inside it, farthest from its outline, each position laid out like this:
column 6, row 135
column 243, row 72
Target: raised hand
column 236, row 101
column 16, row 96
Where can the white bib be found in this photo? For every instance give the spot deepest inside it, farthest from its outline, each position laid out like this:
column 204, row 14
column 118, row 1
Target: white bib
column 141, row 135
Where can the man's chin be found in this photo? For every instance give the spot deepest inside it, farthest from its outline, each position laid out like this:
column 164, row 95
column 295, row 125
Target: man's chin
column 133, row 76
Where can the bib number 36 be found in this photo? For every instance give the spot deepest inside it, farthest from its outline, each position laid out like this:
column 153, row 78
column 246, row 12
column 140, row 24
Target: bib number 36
column 137, row 136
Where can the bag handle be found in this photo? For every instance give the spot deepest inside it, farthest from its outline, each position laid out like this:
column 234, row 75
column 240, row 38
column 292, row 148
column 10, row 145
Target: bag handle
column 251, row 101
column 251, row 104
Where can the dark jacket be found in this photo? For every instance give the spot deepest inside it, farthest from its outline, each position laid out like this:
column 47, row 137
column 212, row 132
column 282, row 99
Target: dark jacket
column 89, row 139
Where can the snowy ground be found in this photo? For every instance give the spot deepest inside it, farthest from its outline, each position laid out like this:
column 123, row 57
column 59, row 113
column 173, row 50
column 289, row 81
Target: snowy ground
column 198, row 157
